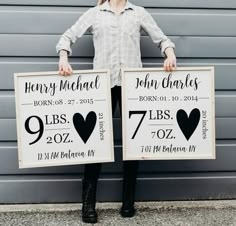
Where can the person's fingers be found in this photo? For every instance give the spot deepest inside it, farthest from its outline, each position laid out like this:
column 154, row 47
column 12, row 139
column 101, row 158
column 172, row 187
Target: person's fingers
column 170, row 66
column 70, row 69
column 165, row 65
column 67, row 70
column 174, row 63
column 64, row 70
column 60, row 69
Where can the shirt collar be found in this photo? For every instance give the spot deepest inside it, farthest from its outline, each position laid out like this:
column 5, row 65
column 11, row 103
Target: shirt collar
column 106, row 6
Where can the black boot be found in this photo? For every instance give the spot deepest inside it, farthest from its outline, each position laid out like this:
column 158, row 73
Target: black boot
column 91, row 174
column 129, row 182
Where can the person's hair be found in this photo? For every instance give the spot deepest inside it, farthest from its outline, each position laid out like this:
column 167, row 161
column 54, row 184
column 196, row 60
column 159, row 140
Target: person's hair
column 101, row 2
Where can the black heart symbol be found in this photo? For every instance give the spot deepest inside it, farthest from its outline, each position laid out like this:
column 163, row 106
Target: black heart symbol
column 85, row 127
column 188, row 124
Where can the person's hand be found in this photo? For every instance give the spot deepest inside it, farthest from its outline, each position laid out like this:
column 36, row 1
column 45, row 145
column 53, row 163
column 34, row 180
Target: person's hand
column 64, row 66
column 170, row 61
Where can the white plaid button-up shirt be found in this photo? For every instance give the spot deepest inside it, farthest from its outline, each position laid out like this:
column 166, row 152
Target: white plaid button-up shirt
column 116, row 37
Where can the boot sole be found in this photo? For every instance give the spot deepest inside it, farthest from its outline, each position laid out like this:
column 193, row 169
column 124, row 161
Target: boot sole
column 89, row 220
column 127, row 214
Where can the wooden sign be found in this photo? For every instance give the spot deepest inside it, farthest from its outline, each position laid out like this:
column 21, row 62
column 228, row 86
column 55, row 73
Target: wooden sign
column 63, row 120
column 168, row 115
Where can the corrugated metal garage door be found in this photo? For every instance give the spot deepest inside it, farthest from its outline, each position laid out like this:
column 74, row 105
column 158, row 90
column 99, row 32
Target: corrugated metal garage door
column 204, row 33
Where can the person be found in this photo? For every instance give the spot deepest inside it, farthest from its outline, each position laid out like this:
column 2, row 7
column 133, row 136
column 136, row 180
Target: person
column 116, row 29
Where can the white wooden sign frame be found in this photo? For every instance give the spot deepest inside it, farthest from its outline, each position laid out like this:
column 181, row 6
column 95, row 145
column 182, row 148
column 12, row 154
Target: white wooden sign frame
column 131, row 101
column 103, row 75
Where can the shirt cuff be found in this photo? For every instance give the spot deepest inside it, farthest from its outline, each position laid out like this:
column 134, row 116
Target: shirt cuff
column 63, row 47
column 166, row 44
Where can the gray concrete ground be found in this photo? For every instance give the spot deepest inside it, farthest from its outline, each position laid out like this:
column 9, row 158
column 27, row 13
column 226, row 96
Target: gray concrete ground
column 187, row 213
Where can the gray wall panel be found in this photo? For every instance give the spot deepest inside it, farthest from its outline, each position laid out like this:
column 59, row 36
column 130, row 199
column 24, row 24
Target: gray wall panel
column 7, row 103
column 225, row 104
column 225, row 69
column 68, row 189
column 182, row 188
column 225, row 129
column 44, row 45
column 147, row 3
column 172, row 23
column 190, row 47
column 10, row 66
column 48, row 2
column 225, row 152
column 7, row 130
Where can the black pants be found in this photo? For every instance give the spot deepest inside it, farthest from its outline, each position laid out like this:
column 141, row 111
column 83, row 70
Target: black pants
column 116, row 98
column 92, row 171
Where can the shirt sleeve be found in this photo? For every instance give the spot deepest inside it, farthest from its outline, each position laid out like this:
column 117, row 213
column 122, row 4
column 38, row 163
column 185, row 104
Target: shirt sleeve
column 83, row 24
column 150, row 26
